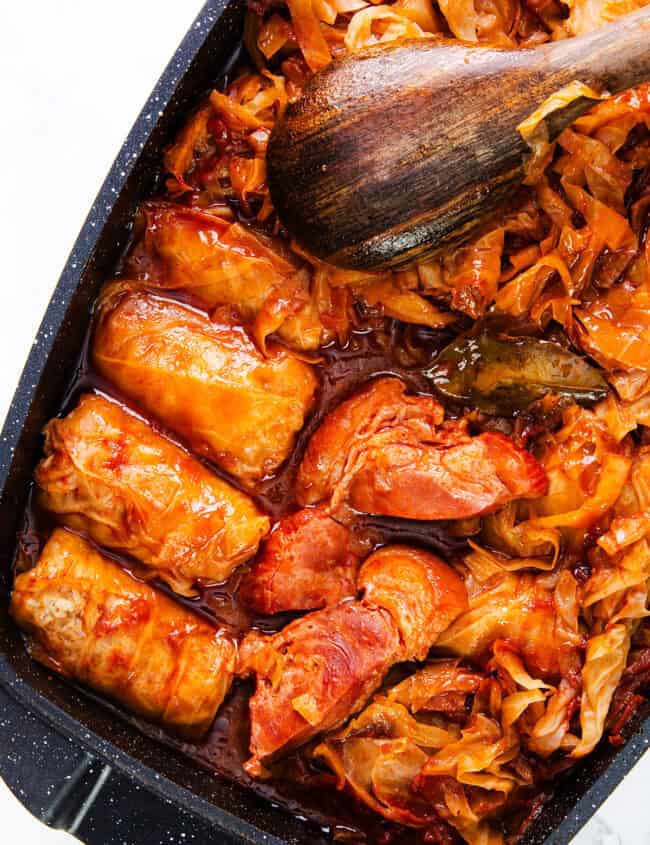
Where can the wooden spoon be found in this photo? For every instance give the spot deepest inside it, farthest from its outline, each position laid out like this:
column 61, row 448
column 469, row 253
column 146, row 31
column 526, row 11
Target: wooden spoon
column 398, row 150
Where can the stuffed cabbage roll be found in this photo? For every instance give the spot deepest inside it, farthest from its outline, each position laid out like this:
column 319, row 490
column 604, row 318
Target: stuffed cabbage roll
column 109, row 474
column 222, row 262
column 305, row 564
column 385, row 452
column 205, row 379
column 88, row 620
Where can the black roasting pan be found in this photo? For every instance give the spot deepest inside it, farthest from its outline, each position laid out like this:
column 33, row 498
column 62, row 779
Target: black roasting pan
column 199, row 62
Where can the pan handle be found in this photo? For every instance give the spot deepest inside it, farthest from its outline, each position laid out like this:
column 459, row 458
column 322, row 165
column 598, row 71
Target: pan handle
column 76, row 796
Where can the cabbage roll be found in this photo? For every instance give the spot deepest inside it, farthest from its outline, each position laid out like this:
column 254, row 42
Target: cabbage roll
column 109, row 474
column 89, row 620
column 226, row 263
column 205, row 379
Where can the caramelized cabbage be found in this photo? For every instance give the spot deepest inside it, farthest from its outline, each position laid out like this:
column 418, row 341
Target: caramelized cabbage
column 604, row 665
column 535, row 130
column 412, row 766
column 616, row 328
column 378, row 24
column 523, row 609
column 587, row 470
column 587, row 15
column 504, row 533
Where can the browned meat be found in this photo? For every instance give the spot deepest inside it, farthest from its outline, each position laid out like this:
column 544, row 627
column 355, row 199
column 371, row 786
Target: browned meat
column 322, row 668
column 381, row 407
column 423, row 594
column 472, row 478
column 384, row 452
column 313, row 674
column 305, row 564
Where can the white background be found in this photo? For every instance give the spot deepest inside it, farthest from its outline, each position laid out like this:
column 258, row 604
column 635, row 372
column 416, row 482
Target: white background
column 73, row 77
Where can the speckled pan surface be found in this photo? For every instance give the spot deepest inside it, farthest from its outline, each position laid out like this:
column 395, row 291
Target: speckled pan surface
column 207, row 49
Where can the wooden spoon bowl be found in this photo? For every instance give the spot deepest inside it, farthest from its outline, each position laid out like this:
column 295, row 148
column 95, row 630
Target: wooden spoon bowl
column 398, row 150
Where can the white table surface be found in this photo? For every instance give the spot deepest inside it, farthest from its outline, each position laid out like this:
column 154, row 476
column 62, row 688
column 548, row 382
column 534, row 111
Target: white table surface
column 73, row 76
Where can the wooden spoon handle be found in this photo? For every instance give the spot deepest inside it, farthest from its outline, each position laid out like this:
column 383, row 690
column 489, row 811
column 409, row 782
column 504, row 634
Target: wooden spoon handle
column 616, row 56
column 396, row 151
column 604, row 60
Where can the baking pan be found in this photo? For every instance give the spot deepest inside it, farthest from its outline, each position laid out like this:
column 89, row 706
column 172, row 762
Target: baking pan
column 208, row 49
